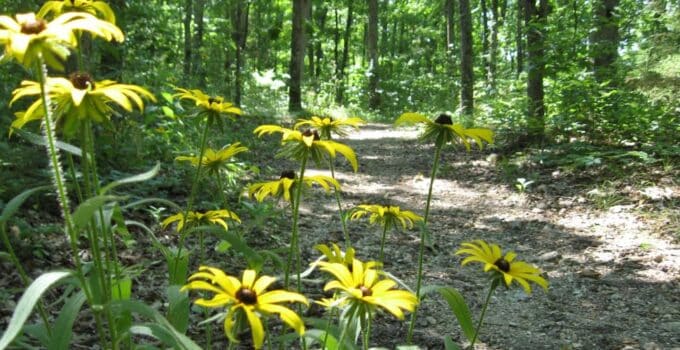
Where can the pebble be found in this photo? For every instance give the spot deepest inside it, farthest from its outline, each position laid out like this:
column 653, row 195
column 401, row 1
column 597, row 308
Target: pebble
column 550, row 256
column 658, row 258
column 589, row 273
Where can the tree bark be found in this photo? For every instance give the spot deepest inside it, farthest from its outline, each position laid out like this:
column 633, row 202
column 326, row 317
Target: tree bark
column 449, row 14
column 519, row 37
column 239, row 35
column 297, row 56
column 340, row 69
column 536, row 18
column 605, row 41
column 322, row 15
column 493, row 44
column 187, row 41
column 372, row 47
column 466, row 63
column 197, row 65
column 485, row 36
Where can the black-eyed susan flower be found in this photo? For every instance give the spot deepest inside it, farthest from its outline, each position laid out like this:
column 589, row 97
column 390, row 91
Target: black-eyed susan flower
column 505, row 268
column 300, row 144
column 27, row 36
column 79, row 98
column 283, row 187
column 211, row 107
column 194, row 218
column 363, row 289
column 386, row 216
column 246, row 298
column 97, row 8
column 442, row 130
column 334, row 254
column 213, row 160
column 328, row 126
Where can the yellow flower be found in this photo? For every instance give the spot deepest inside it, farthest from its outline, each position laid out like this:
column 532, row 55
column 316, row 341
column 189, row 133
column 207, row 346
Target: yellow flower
column 215, row 160
column 361, row 287
column 335, row 255
column 92, row 7
column 283, row 187
column 27, row 37
column 386, row 216
column 247, row 297
column 298, row 144
column 328, row 126
column 194, row 218
column 211, row 107
column 505, row 267
column 78, row 98
column 443, row 131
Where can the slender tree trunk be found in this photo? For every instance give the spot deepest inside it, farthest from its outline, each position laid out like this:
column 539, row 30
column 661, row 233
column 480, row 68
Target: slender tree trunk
column 372, row 47
column 485, row 36
column 519, row 37
column 297, row 54
column 449, row 14
column 605, row 41
column 187, row 41
column 321, row 17
column 466, row 64
column 311, row 37
column 493, row 44
column 239, row 35
column 340, row 73
column 536, row 18
column 198, row 66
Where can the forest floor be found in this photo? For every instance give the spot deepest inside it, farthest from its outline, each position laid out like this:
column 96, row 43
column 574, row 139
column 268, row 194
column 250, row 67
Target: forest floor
column 614, row 272
column 612, row 260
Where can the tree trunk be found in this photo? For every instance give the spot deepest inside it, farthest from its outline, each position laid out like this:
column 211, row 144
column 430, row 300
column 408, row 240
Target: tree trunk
column 239, row 35
column 519, row 37
column 449, row 14
column 493, row 45
column 372, row 47
column 187, row 41
column 340, row 69
column 197, row 65
column 605, row 41
column 536, row 18
column 485, row 36
column 321, row 16
column 466, row 67
column 311, row 37
column 297, row 56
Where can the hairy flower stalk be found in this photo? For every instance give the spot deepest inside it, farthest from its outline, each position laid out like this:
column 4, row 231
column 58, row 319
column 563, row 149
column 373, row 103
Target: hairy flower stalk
column 59, row 183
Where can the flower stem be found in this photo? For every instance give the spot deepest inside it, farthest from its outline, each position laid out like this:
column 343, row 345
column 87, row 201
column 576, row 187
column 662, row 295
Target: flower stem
column 192, row 194
column 423, row 237
column 382, row 241
column 343, row 220
column 294, row 246
column 493, row 286
column 367, row 331
column 55, row 165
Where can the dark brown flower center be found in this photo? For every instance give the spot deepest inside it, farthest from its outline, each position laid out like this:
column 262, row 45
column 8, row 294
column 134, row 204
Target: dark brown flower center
column 246, row 296
column 287, row 174
column 33, row 27
column 310, row 132
column 502, row 264
column 365, row 292
column 212, row 100
column 81, row 80
column 444, row 119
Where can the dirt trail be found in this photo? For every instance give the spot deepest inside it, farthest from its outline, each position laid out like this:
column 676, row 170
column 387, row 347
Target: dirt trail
column 614, row 284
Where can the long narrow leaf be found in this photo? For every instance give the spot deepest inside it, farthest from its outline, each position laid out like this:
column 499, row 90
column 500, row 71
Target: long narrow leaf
column 40, row 141
column 449, row 344
column 460, row 310
column 135, row 178
column 16, row 202
column 63, row 325
column 27, row 302
column 83, row 214
column 326, row 341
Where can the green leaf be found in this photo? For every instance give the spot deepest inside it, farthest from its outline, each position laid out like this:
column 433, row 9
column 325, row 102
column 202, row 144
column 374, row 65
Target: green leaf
column 83, row 214
column 318, row 335
column 40, row 141
column 449, row 344
column 178, row 308
column 168, row 112
column 27, row 302
column 16, row 202
column 167, row 97
column 460, row 310
column 135, row 178
column 222, row 247
column 63, row 325
column 160, row 328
